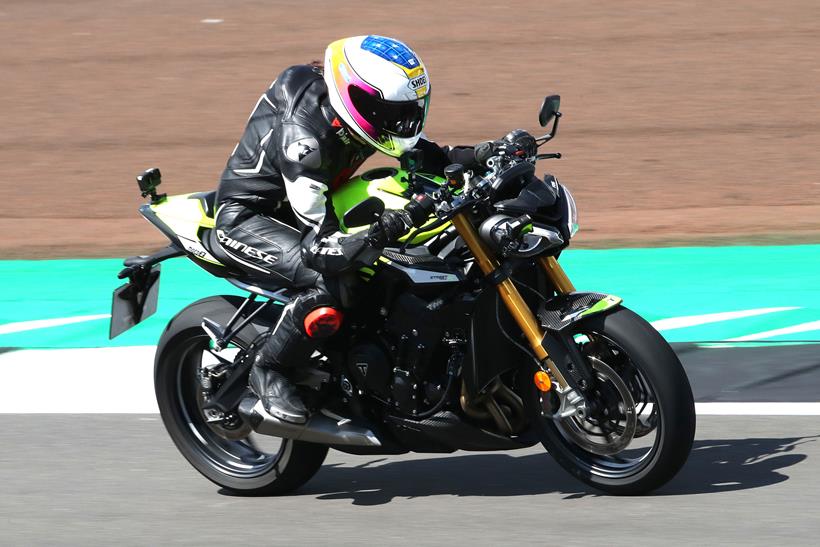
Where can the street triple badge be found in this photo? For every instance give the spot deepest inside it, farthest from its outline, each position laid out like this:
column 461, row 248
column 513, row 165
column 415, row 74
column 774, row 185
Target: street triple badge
column 305, row 151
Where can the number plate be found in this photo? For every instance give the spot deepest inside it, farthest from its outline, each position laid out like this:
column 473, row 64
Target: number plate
column 134, row 302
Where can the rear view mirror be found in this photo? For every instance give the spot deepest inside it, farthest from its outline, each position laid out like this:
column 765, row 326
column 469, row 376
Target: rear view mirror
column 364, row 212
column 549, row 108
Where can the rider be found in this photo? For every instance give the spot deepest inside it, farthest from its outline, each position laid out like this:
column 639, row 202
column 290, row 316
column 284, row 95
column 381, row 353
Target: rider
column 307, row 135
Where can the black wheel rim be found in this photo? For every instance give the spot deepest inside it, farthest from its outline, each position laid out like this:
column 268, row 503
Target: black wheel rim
column 242, row 458
column 640, row 453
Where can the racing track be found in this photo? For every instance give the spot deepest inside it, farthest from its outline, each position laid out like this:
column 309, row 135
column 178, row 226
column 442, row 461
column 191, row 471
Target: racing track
column 98, row 479
column 101, row 479
column 116, row 479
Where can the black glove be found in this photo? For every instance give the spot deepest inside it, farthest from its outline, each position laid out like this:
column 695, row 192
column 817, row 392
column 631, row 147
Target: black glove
column 515, row 143
column 391, row 226
column 486, row 150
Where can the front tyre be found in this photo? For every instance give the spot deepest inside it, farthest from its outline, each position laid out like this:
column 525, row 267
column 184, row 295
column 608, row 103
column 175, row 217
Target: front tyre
column 643, row 424
column 226, row 453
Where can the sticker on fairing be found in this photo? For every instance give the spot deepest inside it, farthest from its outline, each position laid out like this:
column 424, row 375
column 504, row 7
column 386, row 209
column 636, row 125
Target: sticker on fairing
column 603, row 305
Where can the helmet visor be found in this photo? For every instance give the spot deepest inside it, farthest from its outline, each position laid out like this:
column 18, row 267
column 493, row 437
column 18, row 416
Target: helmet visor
column 401, row 118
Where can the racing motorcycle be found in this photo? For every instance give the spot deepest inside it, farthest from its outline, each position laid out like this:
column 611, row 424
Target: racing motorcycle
column 465, row 335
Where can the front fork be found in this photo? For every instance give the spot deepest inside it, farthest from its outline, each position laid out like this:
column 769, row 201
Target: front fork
column 516, row 305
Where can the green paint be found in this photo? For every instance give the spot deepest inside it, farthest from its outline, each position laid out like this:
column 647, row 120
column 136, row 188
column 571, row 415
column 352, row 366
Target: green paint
column 657, row 283
column 45, row 289
column 674, row 282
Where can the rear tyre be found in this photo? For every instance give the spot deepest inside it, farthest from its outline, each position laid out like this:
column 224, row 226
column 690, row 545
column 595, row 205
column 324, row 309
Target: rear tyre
column 650, row 377
column 240, row 462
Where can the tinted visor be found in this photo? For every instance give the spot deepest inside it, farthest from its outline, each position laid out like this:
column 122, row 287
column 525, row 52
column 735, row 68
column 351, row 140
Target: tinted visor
column 401, row 118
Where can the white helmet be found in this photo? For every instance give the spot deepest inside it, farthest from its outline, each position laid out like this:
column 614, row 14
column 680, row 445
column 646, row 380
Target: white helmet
column 381, row 90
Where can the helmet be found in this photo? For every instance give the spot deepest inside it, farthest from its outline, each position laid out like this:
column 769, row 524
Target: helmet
column 381, row 90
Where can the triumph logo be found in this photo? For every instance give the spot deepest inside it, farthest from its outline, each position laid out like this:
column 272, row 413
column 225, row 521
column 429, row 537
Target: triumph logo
column 252, row 252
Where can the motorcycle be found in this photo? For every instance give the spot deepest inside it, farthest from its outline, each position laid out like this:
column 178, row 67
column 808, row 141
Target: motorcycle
column 465, row 335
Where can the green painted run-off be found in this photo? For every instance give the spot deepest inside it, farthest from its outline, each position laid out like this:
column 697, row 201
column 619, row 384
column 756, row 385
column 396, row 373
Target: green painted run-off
column 657, row 283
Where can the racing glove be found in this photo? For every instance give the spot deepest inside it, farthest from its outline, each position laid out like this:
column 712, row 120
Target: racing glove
column 393, row 224
column 515, row 143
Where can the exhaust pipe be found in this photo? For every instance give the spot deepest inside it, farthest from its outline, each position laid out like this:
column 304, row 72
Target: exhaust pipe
column 319, row 428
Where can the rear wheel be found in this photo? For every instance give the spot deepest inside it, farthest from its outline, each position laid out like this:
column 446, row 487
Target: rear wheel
column 640, row 420
column 225, row 451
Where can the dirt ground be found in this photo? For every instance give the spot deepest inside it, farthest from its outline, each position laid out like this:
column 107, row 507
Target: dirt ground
column 686, row 122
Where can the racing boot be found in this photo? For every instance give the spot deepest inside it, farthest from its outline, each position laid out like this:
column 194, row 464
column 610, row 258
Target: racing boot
column 278, row 395
column 290, row 345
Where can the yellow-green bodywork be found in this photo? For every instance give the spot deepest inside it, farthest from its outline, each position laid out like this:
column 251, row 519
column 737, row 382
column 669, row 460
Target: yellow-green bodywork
column 182, row 212
column 390, row 189
column 186, row 214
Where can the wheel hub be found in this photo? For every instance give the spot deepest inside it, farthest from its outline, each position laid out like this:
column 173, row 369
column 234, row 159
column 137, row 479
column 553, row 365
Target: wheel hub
column 611, row 421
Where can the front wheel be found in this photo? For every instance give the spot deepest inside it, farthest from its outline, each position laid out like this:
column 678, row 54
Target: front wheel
column 640, row 420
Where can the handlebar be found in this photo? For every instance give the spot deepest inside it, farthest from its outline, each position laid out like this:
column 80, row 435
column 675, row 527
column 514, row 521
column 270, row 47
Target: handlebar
column 447, row 205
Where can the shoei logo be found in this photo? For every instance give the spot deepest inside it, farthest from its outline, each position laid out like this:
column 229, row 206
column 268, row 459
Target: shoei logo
column 417, row 83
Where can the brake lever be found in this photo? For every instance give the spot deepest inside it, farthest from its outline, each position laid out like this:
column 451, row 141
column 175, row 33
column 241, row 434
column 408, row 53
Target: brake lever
column 553, row 156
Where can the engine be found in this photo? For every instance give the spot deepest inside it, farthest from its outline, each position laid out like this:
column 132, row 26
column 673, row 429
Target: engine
column 405, row 364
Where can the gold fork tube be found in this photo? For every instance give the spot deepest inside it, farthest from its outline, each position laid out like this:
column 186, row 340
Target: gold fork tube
column 516, row 305
column 556, row 274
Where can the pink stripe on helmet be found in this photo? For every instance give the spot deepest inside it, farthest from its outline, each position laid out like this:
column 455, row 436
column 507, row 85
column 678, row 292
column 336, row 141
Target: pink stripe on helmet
column 345, row 95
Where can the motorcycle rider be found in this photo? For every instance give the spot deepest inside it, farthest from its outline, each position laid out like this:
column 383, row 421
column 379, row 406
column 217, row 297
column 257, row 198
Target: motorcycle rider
column 306, row 136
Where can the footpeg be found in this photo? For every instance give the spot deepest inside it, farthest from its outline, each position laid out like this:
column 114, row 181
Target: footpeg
column 215, row 331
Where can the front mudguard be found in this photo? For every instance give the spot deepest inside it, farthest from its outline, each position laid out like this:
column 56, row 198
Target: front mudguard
column 562, row 311
column 558, row 316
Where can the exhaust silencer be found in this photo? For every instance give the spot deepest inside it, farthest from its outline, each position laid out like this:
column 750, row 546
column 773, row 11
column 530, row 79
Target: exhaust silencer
column 318, row 429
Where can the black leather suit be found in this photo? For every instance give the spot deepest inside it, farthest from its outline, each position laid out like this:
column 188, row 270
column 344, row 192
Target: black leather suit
column 295, row 151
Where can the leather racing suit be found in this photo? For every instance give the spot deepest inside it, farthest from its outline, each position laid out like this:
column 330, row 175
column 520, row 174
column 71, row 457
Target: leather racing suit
column 293, row 154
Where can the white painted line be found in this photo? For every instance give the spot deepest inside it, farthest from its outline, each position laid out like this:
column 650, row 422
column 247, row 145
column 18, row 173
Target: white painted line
column 803, row 327
column 212, row 21
column 121, row 381
column 83, row 381
column 693, row 320
column 21, row 326
column 757, row 409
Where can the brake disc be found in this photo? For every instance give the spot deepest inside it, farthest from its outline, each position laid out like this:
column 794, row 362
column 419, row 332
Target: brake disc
column 641, row 394
column 614, row 433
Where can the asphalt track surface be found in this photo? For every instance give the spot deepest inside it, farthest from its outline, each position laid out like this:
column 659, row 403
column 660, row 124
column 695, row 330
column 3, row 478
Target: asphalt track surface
column 100, row 479
column 108, row 479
